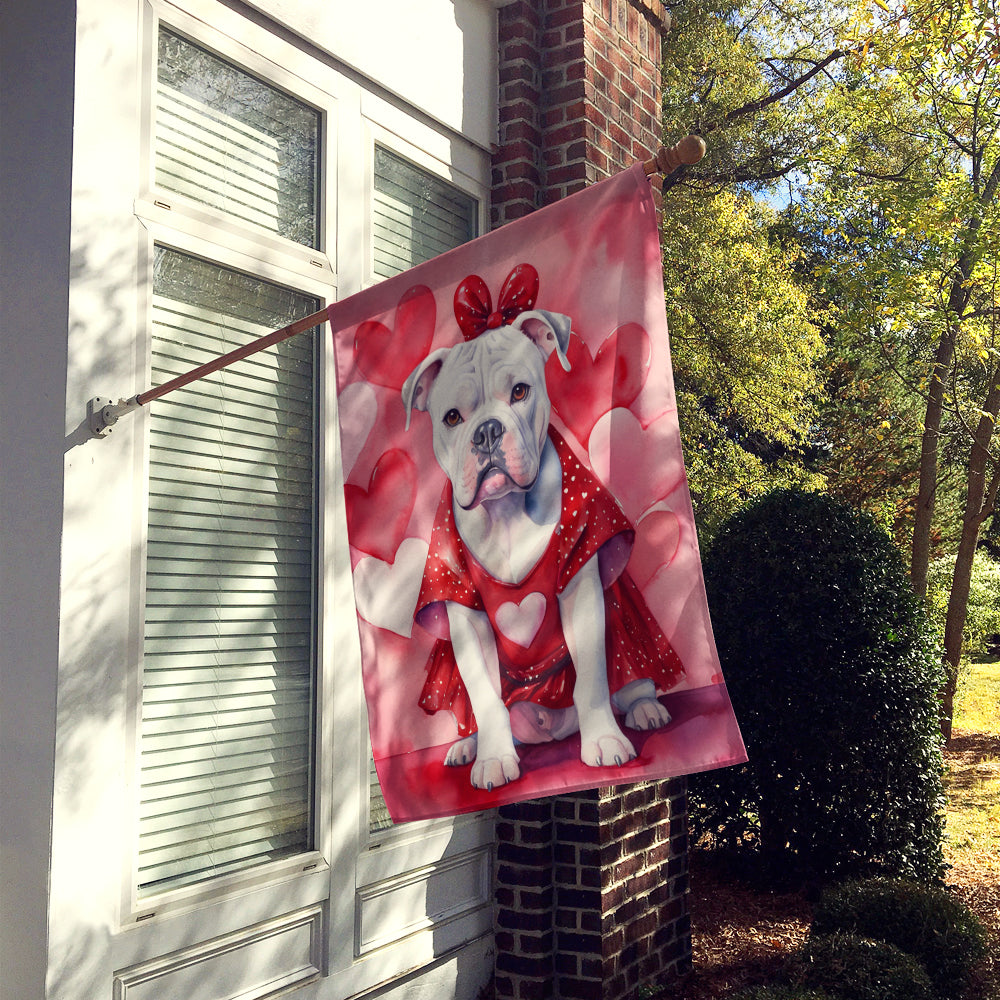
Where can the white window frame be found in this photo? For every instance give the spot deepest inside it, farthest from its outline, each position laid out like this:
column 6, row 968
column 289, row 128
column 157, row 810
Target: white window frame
column 350, row 872
column 195, row 244
column 181, row 224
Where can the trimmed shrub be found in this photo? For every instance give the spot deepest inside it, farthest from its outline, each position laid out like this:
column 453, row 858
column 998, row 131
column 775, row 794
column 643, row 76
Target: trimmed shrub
column 833, row 672
column 856, row 968
column 925, row 922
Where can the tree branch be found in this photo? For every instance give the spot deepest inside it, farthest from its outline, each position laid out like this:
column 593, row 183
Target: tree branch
column 754, row 106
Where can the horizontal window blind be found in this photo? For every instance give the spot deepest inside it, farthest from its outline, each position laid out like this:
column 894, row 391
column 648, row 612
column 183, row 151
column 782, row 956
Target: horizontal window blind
column 231, row 141
column 228, row 656
column 416, row 216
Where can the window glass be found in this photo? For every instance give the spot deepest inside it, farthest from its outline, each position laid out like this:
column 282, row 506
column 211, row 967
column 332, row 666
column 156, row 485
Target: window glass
column 235, row 143
column 416, row 215
column 228, row 684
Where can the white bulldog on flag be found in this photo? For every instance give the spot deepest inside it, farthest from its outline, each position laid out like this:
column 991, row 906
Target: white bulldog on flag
column 489, row 411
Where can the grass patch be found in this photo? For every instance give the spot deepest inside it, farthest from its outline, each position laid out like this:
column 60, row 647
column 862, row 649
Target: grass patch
column 977, row 699
column 972, row 848
column 973, row 781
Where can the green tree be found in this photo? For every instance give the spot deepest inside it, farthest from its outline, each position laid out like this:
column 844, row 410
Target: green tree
column 747, row 357
column 747, row 77
column 910, row 182
column 867, row 433
column 982, row 620
column 880, row 123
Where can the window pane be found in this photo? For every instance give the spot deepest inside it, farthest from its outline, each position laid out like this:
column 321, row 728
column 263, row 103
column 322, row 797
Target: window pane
column 416, row 217
column 228, row 140
column 228, row 657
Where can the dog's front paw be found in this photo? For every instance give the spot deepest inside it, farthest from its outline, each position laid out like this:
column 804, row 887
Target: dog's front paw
column 462, row 752
column 646, row 713
column 607, row 750
column 495, row 766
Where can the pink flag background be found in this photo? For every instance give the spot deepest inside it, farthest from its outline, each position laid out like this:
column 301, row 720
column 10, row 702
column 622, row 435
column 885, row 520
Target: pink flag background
column 597, row 255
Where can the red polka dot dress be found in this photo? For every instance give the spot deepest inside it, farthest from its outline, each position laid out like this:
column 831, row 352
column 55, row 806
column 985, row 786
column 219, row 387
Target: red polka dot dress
column 535, row 664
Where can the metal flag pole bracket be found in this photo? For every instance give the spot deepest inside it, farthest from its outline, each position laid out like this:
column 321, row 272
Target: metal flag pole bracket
column 103, row 413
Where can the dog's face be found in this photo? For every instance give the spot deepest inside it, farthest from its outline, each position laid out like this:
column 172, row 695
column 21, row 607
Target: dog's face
column 488, row 405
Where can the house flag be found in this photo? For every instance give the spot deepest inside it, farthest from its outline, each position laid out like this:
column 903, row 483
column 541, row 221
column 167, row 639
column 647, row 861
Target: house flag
column 528, row 587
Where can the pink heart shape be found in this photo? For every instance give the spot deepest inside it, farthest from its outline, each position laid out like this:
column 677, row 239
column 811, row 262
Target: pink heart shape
column 520, row 622
column 386, row 593
column 386, row 357
column 630, row 347
column 357, row 407
column 657, row 536
column 377, row 517
column 639, row 465
column 615, row 377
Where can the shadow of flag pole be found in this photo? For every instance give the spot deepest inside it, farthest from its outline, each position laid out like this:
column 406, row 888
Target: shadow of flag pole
column 103, row 413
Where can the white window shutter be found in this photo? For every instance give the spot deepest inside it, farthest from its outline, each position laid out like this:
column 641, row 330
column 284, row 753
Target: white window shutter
column 416, row 216
column 228, row 674
column 232, row 142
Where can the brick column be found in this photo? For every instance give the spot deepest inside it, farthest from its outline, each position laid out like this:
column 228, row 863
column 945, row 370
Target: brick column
column 591, row 888
column 524, row 901
column 579, row 96
column 591, row 893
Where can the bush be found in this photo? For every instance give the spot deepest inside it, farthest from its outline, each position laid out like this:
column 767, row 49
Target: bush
column 833, row 672
column 856, row 968
column 925, row 922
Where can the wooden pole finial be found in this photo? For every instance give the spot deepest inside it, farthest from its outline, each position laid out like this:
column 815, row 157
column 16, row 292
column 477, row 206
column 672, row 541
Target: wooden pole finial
column 668, row 158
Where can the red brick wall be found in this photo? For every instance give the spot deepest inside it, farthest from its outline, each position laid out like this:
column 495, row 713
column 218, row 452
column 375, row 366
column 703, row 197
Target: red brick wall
column 579, row 96
column 591, row 889
column 591, row 893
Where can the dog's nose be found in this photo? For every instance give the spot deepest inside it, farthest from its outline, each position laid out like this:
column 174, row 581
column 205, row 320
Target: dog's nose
column 488, row 433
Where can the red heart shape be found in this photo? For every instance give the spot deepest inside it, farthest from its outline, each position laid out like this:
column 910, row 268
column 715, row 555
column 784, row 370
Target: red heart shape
column 657, row 536
column 377, row 517
column 615, row 377
column 386, row 357
column 630, row 347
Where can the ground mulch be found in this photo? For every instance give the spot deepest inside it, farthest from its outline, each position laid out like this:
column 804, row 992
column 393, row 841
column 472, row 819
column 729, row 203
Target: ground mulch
column 742, row 934
column 975, row 877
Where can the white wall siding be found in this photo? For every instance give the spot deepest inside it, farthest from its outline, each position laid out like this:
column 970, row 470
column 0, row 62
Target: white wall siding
column 36, row 107
column 435, row 54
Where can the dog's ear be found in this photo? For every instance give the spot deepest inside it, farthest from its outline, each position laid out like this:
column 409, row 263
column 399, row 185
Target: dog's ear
column 548, row 330
column 417, row 387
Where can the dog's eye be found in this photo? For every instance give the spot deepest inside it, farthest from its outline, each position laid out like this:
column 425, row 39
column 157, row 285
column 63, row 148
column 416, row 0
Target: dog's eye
column 520, row 392
column 452, row 418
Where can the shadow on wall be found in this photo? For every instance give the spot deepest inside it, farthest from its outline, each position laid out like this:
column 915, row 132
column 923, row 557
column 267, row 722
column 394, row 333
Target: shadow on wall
column 95, row 703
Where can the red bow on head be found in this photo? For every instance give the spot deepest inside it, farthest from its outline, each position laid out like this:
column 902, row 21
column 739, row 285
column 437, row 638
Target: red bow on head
column 474, row 307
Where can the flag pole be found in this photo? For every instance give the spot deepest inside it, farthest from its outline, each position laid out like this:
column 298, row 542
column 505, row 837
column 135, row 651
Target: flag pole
column 103, row 413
